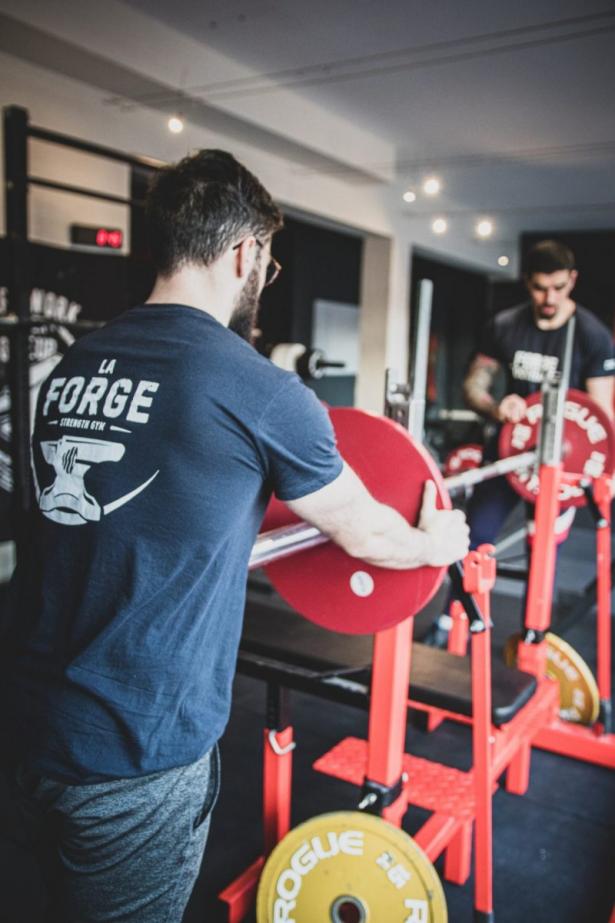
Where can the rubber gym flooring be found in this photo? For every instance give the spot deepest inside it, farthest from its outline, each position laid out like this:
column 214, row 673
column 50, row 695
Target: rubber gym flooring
column 554, row 849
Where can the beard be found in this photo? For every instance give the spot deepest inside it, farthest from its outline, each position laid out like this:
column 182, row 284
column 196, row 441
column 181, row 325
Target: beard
column 243, row 318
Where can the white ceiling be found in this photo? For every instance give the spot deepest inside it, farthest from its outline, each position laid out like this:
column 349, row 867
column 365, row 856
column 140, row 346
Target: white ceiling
column 445, row 74
column 511, row 104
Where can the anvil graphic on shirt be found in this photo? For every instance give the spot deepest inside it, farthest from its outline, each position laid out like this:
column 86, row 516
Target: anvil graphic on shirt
column 67, row 499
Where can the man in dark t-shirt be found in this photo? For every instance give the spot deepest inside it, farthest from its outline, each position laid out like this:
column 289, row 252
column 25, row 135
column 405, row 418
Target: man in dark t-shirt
column 527, row 343
column 158, row 441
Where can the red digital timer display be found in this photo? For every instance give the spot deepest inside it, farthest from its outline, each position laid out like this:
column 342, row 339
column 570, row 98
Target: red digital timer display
column 106, row 237
column 91, row 236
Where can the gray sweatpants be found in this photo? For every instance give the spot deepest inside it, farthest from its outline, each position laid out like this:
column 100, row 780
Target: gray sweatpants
column 126, row 851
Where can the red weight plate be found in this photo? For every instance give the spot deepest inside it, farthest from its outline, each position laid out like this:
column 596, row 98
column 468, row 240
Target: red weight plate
column 588, row 445
column 463, row 458
column 342, row 593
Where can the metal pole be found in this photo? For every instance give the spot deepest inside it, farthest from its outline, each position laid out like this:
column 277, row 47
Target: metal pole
column 532, row 652
column 386, row 734
column 99, row 150
column 80, row 190
column 466, row 479
column 16, row 212
column 510, row 540
column 420, row 359
column 553, row 402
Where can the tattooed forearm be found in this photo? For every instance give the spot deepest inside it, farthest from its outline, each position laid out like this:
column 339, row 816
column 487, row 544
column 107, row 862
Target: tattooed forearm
column 477, row 385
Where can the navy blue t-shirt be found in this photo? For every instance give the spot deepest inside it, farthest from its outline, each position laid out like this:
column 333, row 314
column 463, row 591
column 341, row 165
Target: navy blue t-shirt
column 158, row 441
column 528, row 353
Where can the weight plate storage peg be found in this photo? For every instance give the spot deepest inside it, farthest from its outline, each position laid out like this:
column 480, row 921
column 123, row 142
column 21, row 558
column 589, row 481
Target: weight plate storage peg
column 579, row 698
column 588, row 446
column 349, row 867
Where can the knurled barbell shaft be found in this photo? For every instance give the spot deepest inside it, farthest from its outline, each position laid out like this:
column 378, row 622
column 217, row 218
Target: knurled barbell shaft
column 288, row 540
column 282, row 542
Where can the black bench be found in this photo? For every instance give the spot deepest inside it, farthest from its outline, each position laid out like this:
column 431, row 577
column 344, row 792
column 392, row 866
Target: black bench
column 281, row 647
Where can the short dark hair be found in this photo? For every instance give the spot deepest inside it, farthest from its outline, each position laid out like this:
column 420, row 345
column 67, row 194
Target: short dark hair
column 198, row 207
column 548, row 256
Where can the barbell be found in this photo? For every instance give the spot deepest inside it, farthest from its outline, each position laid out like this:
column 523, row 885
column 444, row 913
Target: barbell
column 341, row 593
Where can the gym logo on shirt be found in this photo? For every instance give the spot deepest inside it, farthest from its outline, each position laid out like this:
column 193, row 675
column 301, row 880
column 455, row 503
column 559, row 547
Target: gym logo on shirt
column 75, row 403
column 533, row 367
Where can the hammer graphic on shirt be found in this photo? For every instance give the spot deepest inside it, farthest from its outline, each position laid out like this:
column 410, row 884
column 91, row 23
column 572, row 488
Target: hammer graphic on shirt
column 67, row 499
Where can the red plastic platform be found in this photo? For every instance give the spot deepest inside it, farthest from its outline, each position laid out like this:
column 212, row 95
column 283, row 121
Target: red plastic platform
column 432, row 786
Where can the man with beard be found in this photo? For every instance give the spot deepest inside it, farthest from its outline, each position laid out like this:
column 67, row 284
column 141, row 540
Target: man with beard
column 158, row 442
column 526, row 343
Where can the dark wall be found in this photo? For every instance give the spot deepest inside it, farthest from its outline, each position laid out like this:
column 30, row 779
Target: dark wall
column 507, row 294
column 102, row 282
column 140, row 178
column 595, row 257
column 459, row 309
column 317, row 263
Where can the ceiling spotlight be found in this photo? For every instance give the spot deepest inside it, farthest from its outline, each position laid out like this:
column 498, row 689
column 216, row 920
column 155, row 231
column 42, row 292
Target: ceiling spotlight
column 432, row 185
column 439, row 225
column 409, row 195
column 503, row 260
column 175, row 124
column 484, row 228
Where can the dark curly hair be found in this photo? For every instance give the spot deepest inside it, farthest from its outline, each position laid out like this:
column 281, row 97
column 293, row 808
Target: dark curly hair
column 548, row 256
column 200, row 206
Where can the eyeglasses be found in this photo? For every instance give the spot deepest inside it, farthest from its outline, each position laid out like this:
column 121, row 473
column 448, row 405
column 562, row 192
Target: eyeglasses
column 273, row 267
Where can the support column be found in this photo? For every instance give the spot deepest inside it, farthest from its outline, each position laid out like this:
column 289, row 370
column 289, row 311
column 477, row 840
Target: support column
column 383, row 326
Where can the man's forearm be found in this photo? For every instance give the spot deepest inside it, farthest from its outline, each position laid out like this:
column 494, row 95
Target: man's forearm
column 387, row 541
column 477, row 385
column 480, row 400
column 375, row 532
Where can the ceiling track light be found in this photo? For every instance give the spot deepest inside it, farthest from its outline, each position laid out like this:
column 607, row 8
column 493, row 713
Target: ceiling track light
column 484, row 228
column 175, row 124
column 432, row 185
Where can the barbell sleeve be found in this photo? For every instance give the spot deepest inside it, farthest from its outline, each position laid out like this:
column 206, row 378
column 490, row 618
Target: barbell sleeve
column 288, row 540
